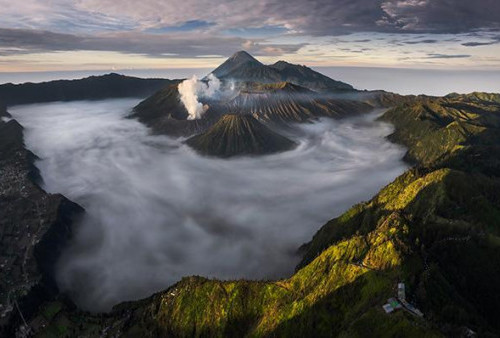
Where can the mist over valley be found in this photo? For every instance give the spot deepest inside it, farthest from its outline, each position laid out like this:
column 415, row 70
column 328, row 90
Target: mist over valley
column 156, row 211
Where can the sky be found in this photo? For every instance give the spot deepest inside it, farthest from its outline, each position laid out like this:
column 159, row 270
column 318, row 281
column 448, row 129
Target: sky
column 62, row 35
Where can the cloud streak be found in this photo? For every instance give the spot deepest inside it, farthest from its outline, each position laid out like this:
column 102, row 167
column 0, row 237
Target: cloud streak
column 19, row 41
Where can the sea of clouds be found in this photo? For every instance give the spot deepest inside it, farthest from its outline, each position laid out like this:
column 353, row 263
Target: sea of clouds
column 157, row 211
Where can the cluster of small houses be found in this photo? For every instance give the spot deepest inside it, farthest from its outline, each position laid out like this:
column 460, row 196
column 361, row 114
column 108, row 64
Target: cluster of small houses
column 394, row 304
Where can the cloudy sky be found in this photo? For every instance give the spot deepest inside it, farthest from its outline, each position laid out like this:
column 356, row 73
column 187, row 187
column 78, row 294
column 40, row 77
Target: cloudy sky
column 48, row 35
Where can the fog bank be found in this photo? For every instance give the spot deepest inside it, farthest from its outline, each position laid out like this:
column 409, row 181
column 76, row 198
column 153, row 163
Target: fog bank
column 157, row 211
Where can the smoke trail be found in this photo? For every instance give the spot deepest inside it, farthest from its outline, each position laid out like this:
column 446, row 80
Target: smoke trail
column 191, row 89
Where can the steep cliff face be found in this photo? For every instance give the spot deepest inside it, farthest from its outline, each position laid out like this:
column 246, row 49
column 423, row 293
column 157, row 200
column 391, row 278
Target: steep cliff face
column 235, row 135
column 34, row 226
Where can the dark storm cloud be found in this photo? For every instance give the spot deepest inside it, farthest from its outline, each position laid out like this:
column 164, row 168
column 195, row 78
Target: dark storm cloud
column 321, row 17
column 441, row 16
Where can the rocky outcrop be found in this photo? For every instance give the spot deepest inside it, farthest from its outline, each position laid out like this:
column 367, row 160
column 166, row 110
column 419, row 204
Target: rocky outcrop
column 34, row 227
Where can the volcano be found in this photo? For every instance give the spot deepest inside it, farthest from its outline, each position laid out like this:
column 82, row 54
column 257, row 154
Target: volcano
column 279, row 95
column 236, row 134
column 241, row 66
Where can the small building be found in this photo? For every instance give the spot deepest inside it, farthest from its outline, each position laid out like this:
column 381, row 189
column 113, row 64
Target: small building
column 394, row 303
column 401, row 291
column 388, row 308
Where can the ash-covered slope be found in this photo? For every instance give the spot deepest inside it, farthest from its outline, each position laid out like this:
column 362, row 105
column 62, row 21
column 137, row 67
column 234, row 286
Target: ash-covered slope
column 236, row 135
column 241, row 66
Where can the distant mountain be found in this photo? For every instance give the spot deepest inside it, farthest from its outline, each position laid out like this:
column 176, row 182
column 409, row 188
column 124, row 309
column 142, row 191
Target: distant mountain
column 239, row 135
column 90, row 88
column 244, row 67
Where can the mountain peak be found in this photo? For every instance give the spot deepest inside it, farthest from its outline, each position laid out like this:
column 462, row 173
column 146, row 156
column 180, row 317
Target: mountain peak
column 242, row 56
column 243, row 66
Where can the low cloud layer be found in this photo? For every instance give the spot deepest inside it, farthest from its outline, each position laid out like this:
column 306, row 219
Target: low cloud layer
column 156, row 211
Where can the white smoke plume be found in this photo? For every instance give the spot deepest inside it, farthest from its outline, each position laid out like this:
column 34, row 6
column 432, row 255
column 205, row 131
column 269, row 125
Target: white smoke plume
column 191, row 89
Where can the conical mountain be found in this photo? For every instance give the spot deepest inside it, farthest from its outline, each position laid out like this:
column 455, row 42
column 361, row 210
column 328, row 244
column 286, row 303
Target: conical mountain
column 239, row 135
column 241, row 66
